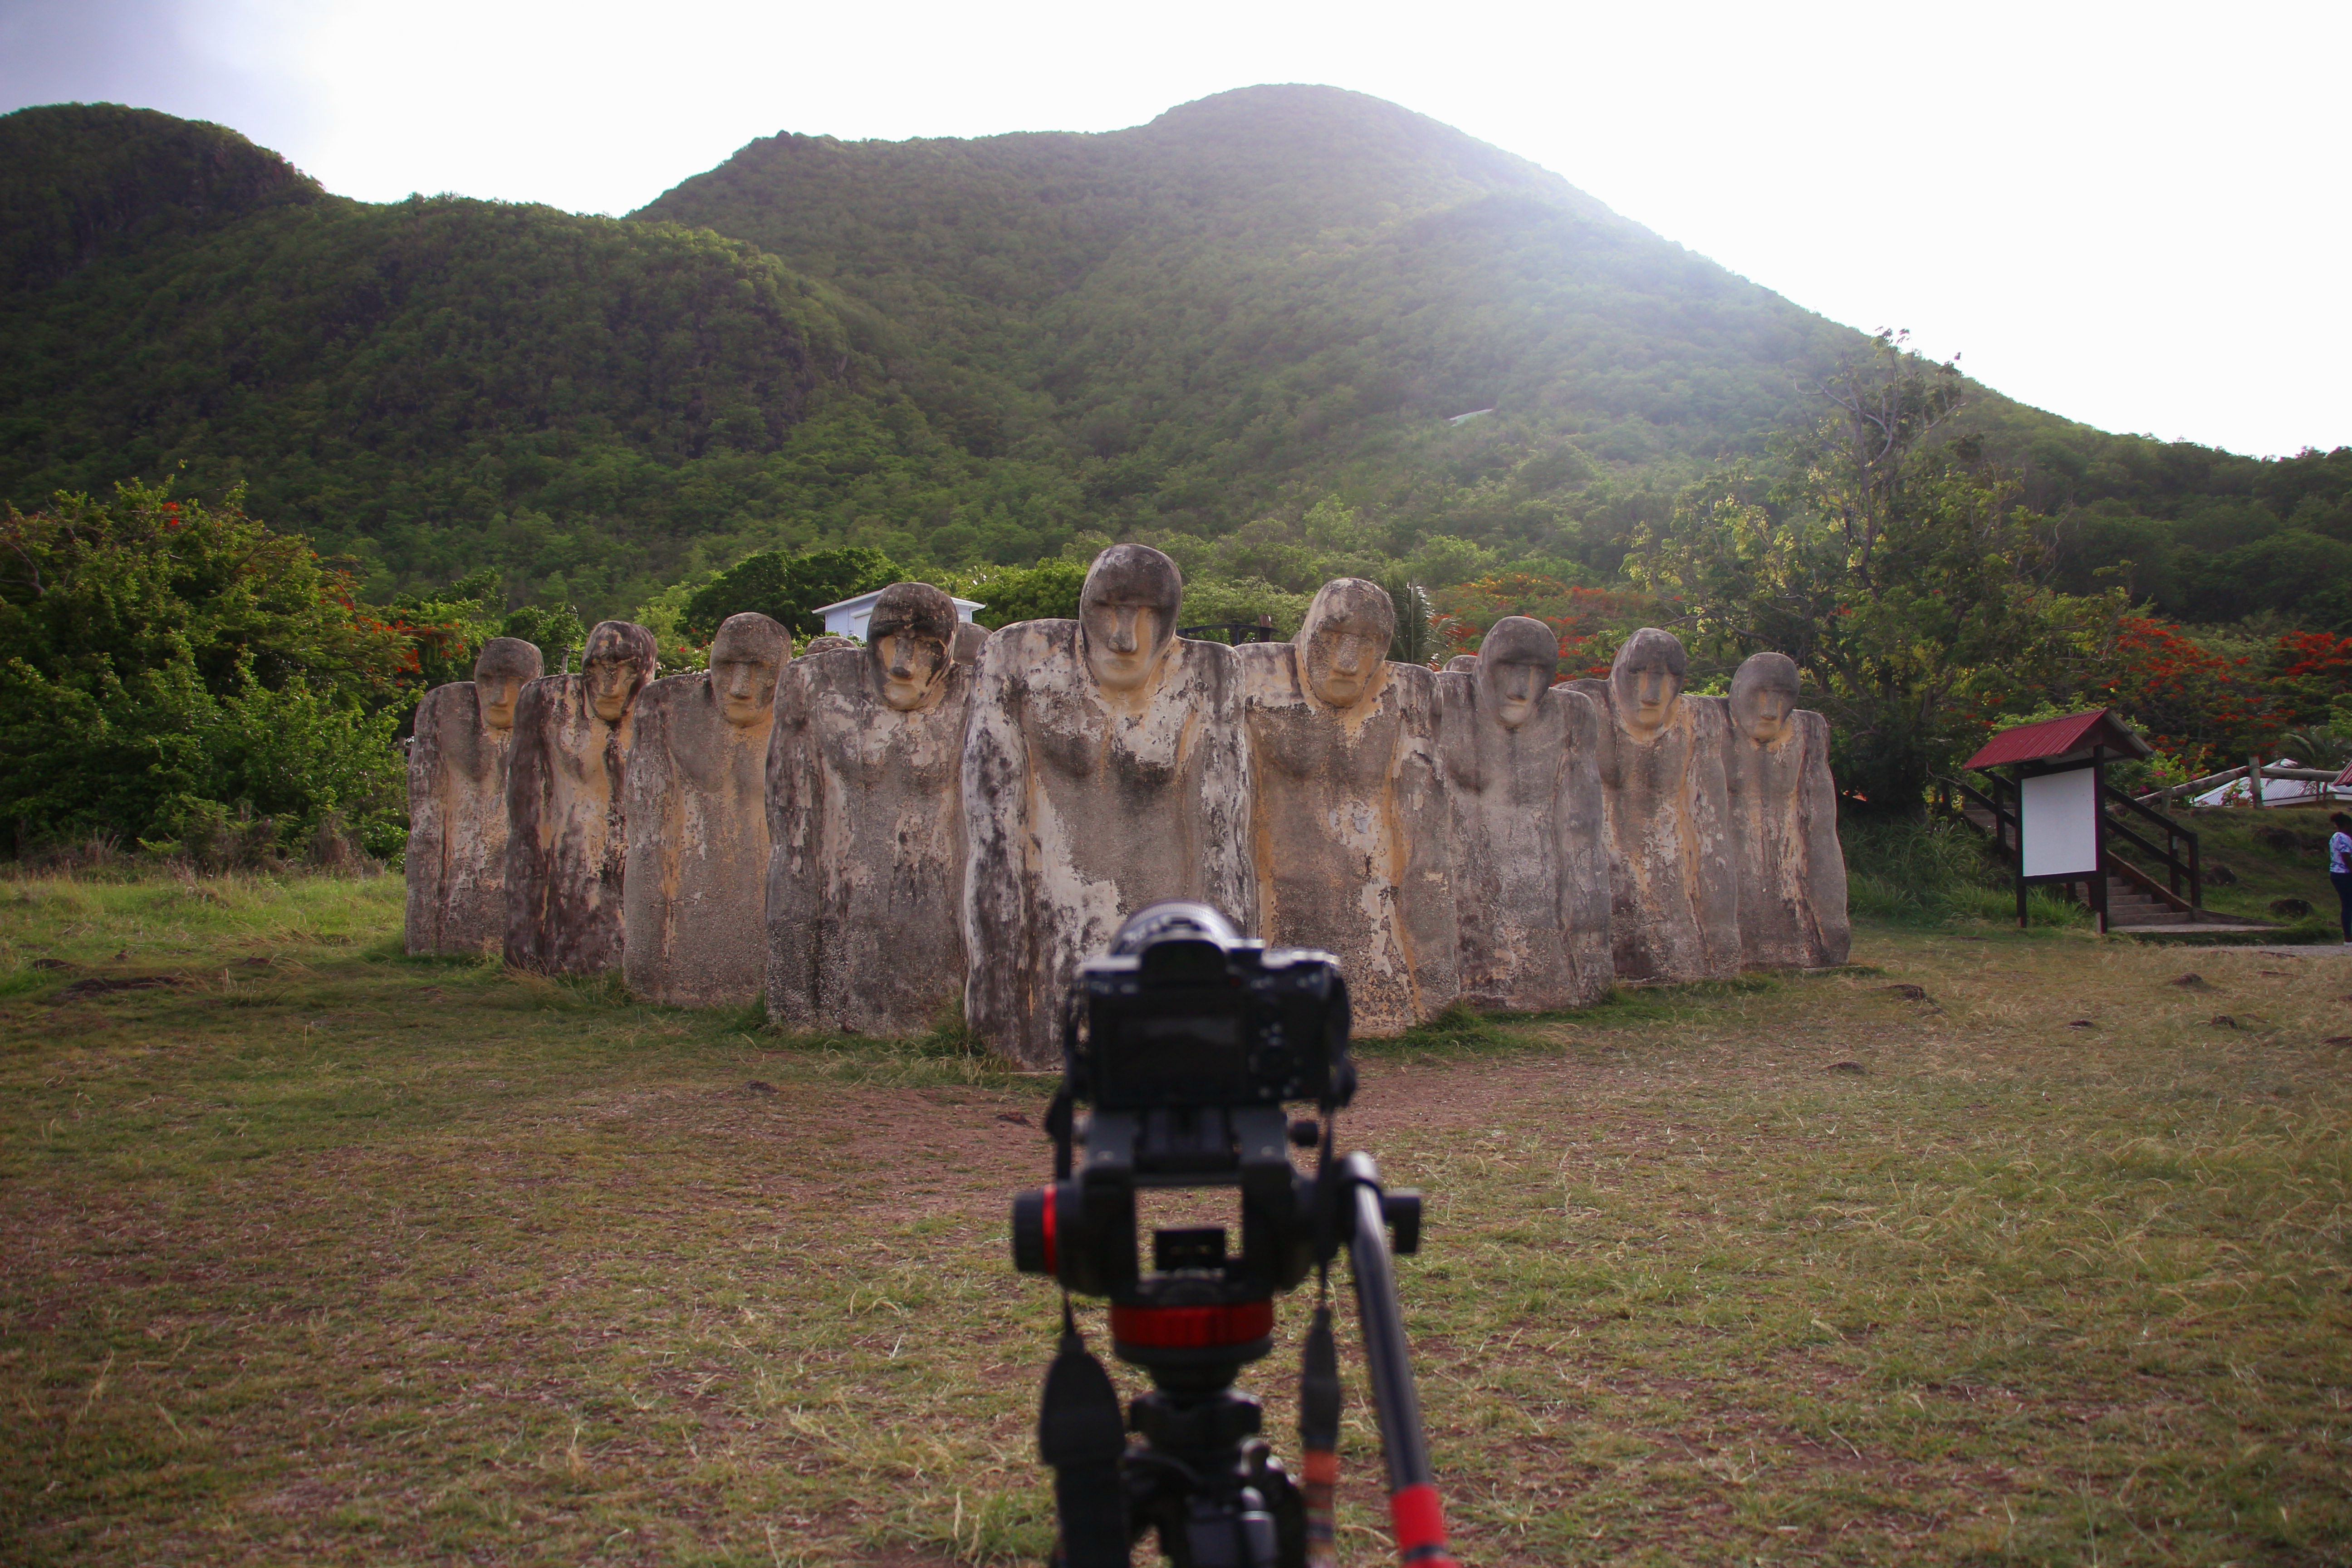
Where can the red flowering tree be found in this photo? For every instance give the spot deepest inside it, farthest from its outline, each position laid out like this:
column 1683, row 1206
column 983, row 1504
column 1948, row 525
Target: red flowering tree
column 2190, row 702
column 1590, row 622
column 2310, row 674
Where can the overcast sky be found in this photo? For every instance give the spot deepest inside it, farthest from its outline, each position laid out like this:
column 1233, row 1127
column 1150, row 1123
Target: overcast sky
column 2133, row 215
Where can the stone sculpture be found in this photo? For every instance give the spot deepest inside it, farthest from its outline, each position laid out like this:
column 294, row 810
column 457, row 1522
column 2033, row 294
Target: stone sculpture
column 565, row 841
column 866, row 880
column 694, row 803
column 1783, row 816
column 1104, row 769
column 457, row 859
column 969, row 639
column 827, row 643
column 1467, row 663
column 1673, row 894
column 1349, row 813
column 1530, row 874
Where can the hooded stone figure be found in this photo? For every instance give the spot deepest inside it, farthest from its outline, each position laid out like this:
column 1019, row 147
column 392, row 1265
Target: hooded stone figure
column 1104, row 770
column 693, row 903
column 1349, row 813
column 969, row 639
column 1674, row 891
column 1530, row 873
column 1784, row 813
column 866, row 880
column 565, row 840
column 457, row 860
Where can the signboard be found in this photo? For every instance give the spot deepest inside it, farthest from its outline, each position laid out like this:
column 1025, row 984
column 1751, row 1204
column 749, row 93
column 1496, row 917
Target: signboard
column 2059, row 824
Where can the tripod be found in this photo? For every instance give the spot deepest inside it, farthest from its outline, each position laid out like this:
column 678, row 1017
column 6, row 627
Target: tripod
column 1202, row 1478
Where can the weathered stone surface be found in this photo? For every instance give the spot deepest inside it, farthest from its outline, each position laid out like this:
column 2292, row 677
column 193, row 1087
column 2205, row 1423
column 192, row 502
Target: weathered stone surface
column 828, row 643
column 865, row 879
column 457, row 859
column 1349, row 813
column 1673, row 892
column 1104, row 769
column 1783, row 815
column 565, row 841
column 1530, row 871
column 1464, row 663
column 969, row 639
column 694, row 803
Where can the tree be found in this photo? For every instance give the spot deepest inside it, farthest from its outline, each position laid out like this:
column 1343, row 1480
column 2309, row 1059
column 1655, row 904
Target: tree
column 791, row 588
column 165, row 666
column 1899, row 571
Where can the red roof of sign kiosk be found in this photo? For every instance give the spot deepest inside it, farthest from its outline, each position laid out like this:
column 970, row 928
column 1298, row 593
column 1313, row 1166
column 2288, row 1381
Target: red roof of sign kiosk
column 2055, row 739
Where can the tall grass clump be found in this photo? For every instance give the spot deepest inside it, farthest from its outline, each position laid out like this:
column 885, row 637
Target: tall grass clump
column 1933, row 873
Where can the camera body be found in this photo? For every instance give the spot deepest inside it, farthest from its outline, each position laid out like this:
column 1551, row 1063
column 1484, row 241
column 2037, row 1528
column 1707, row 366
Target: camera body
column 1185, row 1043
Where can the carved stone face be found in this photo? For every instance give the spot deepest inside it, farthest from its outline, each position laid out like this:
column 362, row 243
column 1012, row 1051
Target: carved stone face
column 910, row 667
column 1127, row 614
column 497, row 696
column 616, row 668
column 1646, row 680
column 1763, row 695
column 1345, row 639
column 499, row 672
column 913, row 628
column 1515, row 660
column 745, row 658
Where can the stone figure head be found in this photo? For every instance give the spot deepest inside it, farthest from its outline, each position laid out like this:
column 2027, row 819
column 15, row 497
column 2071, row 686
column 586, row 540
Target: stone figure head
column 1343, row 644
column 1763, row 695
column 618, row 662
column 1516, row 664
column 910, row 642
column 1462, row 664
column 750, row 652
column 1647, row 678
column 826, row 643
column 1127, row 613
column 499, row 671
column 969, row 641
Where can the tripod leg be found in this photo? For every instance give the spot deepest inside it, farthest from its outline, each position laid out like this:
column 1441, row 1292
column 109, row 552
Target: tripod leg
column 1414, row 1509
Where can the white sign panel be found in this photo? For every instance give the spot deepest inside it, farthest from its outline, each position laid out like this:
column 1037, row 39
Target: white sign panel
column 2059, row 821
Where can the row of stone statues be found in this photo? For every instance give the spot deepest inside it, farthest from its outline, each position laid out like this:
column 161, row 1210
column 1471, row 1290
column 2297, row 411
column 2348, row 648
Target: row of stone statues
column 867, row 835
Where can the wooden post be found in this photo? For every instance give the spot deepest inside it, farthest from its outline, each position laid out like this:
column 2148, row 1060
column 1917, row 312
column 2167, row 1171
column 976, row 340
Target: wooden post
column 2254, row 782
column 2098, row 843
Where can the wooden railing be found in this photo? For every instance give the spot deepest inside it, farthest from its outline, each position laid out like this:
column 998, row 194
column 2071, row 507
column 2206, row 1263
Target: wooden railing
column 2178, row 858
column 2168, row 857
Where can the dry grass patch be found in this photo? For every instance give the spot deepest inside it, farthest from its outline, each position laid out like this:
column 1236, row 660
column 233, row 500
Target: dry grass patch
column 344, row 1258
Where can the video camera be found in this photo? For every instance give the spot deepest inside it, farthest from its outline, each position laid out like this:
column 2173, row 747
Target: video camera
column 1185, row 1044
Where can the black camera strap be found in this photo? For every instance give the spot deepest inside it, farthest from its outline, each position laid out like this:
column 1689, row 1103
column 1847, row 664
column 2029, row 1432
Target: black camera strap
column 1082, row 1434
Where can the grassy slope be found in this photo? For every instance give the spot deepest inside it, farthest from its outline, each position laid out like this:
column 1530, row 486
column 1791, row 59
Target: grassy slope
column 344, row 1258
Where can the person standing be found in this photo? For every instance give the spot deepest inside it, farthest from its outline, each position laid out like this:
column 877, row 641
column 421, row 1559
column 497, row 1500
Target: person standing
column 2339, row 869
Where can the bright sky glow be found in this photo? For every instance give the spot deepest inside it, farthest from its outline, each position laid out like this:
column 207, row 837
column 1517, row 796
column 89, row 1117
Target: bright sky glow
column 2130, row 215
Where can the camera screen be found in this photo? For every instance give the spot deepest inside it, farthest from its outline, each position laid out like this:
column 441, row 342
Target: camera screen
column 1187, row 1056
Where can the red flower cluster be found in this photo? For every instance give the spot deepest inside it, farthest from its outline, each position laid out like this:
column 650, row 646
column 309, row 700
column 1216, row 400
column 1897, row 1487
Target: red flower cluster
column 2321, row 655
column 2188, row 699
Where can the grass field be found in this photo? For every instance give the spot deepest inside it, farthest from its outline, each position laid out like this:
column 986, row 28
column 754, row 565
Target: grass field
column 1995, row 1248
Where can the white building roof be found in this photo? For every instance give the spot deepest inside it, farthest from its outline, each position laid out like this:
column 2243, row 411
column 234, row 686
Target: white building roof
column 849, row 617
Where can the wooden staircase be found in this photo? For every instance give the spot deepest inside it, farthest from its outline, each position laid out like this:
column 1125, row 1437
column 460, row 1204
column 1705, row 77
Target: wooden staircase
column 2136, row 901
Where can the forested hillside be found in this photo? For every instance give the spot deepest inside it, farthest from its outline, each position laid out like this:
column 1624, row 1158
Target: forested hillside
column 1243, row 331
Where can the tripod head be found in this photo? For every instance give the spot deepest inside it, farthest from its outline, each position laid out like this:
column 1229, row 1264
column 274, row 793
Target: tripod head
column 1183, row 1044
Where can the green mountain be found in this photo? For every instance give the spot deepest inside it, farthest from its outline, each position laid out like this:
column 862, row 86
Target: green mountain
column 1220, row 331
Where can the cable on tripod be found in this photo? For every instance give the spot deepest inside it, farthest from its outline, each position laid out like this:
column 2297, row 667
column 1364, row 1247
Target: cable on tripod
column 1319, row 1399
column 1082, row 1434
